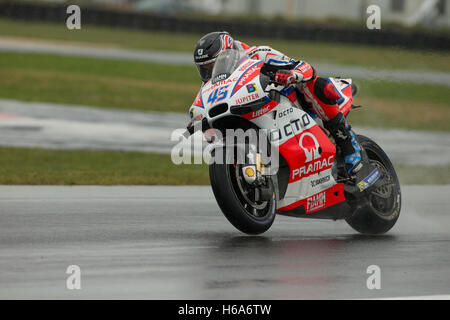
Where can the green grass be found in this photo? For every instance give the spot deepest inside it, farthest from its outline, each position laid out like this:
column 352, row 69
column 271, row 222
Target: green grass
column 347, row 54
column 74, row 167
column 22, row 166
column 402, row 105
column 97, row 82
column 152, row 87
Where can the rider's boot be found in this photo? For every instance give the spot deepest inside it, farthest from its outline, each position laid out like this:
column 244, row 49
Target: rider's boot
column 357, row 168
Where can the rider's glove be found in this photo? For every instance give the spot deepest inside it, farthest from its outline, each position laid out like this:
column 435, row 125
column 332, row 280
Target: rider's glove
column 285, row 77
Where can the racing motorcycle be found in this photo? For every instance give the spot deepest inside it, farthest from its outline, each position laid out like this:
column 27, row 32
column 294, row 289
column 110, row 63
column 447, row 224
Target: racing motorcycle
column 308, row 180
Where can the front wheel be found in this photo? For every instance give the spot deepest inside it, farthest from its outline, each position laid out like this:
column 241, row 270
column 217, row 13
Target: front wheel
column 381, row 208
column 238, row 200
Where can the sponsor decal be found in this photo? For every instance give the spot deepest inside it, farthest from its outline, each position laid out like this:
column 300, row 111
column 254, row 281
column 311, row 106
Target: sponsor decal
column 247, row 99
column 312, row 168
column 246, row 65
column 322, row 180
column 308, row 142
column 290, row 129
column 315, row 202
column 219, row 77
column 285, row 112
column 202, row 56
column 260, row 112
column 251, row 87
column 369, row 180
column 286, row 131
column 250, row 172
column 259, row 50
column 248, row 75
column 218, row 84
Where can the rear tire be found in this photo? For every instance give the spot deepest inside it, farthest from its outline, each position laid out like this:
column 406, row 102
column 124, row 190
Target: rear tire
column 234, row 205
column 382, row 208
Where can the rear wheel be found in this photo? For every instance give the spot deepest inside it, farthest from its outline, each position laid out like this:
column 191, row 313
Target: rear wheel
column 382, row 207
column 239, row 201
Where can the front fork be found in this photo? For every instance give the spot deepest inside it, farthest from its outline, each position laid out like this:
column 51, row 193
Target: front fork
column 255, row 174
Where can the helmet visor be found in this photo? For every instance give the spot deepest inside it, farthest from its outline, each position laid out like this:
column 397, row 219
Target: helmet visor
column 205, row 70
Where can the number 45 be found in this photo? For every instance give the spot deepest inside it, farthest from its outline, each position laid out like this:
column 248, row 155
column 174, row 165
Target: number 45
column 218, row 95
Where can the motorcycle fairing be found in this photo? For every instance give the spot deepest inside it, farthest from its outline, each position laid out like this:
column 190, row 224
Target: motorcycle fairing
column 318, row 201
column 300, row 140
column 309, row 154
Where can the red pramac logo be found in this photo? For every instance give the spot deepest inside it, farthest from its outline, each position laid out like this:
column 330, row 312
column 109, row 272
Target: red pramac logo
column 308, row 142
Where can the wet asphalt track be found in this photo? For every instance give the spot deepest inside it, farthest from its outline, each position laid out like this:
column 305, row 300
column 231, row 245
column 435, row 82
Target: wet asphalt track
column 173, row 243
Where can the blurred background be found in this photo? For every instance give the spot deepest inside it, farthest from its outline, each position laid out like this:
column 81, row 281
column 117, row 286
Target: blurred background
column 400, row 12
column 97, row 105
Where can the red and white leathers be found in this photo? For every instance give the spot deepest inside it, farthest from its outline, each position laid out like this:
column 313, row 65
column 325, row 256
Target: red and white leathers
column 318, row 91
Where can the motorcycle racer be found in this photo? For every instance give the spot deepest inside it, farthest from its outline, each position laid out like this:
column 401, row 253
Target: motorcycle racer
column 318, row 91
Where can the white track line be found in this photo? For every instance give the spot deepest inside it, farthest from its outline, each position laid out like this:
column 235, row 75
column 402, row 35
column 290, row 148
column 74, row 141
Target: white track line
column 430, row 297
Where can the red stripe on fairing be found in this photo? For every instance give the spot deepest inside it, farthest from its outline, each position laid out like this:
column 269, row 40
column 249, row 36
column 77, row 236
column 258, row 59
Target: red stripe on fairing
column 255, row 114
column 198, row 100
column 333, row 195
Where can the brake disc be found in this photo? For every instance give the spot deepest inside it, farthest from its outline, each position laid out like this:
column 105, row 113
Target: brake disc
column 381, row 199
column 384, row 191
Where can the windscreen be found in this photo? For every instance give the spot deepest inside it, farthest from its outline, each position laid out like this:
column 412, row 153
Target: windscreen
column 226, row 63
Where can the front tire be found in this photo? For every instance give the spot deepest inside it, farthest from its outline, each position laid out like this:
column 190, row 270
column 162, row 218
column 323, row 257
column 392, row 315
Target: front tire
column 246, row 216
column 382, row 206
